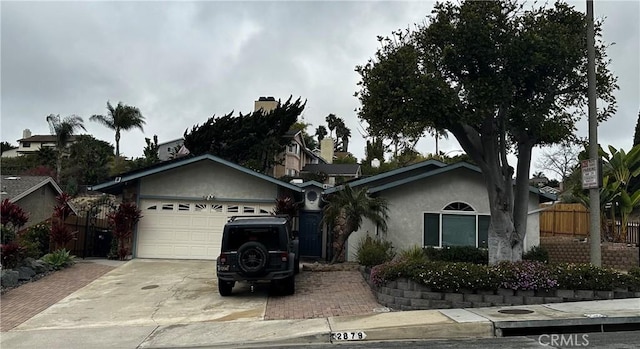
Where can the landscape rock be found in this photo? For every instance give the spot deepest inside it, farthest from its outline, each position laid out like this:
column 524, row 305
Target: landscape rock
column 9, row 278
column 25, row 273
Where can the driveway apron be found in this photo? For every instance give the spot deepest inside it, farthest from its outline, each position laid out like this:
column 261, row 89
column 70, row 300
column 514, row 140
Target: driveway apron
column 152, row 292
column 22, row 303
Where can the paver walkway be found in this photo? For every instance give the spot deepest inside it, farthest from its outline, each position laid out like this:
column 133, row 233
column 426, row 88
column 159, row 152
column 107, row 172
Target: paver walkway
column 20, row 304
column 323, row 294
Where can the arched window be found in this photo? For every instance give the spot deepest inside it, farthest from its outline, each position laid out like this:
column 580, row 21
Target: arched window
column 458, row 224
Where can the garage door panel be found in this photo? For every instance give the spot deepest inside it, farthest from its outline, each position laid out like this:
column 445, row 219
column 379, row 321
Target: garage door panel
column 186, row 230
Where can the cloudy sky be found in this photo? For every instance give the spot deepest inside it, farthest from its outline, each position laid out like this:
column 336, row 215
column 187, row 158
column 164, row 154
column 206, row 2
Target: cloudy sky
column 182, row 62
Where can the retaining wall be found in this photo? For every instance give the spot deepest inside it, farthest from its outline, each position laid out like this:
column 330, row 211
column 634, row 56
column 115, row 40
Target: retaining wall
column 569, row 250
column 405, row 294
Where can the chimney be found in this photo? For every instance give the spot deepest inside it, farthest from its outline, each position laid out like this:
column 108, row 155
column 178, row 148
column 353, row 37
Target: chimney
column 326, row 149
column 267, row 104
column 26, row 133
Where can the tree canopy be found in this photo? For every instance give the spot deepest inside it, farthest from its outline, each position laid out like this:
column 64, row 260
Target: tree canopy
column 499, row 78
column 120, row 118
column 251, row 140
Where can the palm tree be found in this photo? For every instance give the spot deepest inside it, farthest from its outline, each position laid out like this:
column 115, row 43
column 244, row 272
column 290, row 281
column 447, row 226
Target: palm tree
column 120, row 118
column 345, row 210
column 64, row 130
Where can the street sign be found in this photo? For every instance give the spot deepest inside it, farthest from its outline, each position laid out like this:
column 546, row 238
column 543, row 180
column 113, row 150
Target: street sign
column 590, row 174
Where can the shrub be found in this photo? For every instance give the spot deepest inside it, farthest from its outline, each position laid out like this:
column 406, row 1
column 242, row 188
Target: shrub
column 60, row 233
column 525, row 275
column 635, row 272
column 36, row 240
column 537, row 253
column 587, row 277
column 371, row 252
column 12, row 254
column 122, row 220
column 415, row 254
column 465, row 254
column 13, row 217
column 451, row 277
column 59, row 259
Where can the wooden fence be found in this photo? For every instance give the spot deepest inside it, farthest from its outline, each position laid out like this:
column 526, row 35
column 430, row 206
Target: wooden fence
column 573, row 220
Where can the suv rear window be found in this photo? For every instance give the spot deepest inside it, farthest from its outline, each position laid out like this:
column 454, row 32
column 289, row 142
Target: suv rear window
column 269, row 237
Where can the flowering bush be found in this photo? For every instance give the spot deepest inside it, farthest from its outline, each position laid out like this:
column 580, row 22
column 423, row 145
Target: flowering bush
column 521, row 275
column 588, row 277
column 525, row 275
column 122, row 222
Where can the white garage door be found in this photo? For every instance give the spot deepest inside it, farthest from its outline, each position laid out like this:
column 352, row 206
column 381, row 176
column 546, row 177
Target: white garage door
column 187, row 230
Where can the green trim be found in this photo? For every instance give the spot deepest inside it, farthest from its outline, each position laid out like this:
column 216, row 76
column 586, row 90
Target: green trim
column 387, row 174
column 441, row 170
column 187, row 161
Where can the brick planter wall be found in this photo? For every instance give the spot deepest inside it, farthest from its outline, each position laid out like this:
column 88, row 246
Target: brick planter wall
column 569, row 250
column 404, row 294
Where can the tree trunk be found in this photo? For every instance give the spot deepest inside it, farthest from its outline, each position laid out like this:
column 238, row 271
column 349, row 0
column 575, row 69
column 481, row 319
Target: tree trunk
column 521, row 195
column 485, row 149
column 117, row 144
column 58, row 166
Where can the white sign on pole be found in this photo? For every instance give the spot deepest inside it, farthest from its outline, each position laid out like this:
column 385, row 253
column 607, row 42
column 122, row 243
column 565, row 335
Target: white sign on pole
column 590, row 175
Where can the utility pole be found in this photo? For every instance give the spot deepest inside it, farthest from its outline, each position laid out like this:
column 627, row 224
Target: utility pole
column 594, row 158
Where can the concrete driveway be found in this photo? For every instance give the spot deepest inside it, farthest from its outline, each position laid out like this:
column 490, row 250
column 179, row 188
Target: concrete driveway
column 152, row 292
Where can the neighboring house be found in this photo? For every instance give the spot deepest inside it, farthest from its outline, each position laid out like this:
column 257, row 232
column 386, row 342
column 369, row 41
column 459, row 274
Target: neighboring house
column 336, row 173
column 36, row 195
column 434, row 204
column 185, row 203
column 295, row 157
column 168, row 149
column 30, row 144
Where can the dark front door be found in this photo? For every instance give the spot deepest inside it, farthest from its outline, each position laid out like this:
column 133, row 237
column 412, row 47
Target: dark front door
column 310, row 234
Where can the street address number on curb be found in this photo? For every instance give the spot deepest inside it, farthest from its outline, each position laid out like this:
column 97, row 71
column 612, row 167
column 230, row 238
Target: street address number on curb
column 348, row 336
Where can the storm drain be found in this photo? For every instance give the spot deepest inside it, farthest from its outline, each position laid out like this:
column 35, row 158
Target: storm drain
column 149, row 287
column 515, row 311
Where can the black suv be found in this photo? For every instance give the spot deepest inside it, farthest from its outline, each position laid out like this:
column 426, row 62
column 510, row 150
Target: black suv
column 258, row 248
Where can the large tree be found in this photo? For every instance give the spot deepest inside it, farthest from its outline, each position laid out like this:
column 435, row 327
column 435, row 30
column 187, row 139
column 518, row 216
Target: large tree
column 561, row 160
column 89, row 160
column 121, row 118
column 64, row 130
column 499, row 78
column 251, row 140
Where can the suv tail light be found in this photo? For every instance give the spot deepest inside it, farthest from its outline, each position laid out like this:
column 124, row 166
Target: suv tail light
column 223, row 259
column 284, row 256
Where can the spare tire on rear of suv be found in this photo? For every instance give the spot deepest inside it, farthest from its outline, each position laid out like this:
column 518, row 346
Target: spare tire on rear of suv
column 252, row 257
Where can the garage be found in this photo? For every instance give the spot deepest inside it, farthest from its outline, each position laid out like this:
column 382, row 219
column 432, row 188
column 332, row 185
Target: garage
column 187, row 229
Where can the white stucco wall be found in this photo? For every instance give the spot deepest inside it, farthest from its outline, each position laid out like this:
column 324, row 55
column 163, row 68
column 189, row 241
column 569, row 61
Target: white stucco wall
column 408, row 203
column 207, row 178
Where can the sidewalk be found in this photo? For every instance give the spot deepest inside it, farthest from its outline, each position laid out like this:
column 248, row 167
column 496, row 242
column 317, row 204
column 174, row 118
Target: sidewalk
column 415, row 325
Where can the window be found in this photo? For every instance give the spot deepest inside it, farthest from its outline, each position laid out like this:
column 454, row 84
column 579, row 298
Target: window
column 26, row 144
column 183, row 207
column 216, row 208
column 167, row 207
column 457, row 225
column 232, row 209
column 248, row 209
column 291, row 172
column 200, row 207
column 152, row 208
column 293, row 148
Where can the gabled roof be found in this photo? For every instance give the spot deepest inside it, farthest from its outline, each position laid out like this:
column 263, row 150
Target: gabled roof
column 175, row 141
column 333, row 169
column 116, row 183
column 308, row 184
column 15, row 188
column 421, row 170
column 543, row 196
column 44, row 139
column 392, row 175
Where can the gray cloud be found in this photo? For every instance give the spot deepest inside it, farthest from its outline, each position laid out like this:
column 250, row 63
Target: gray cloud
column 181, row 63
